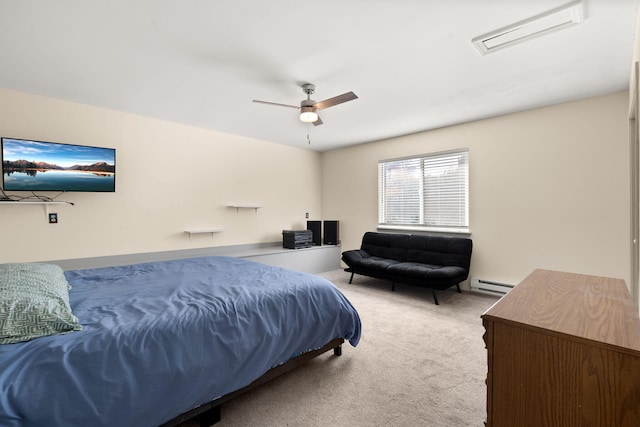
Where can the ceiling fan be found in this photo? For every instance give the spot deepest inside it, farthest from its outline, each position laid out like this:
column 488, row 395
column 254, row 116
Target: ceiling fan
column 308, row 107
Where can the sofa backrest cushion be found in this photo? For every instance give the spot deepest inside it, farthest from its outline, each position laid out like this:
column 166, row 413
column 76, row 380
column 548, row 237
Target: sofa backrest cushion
column 385, row 245
column 440, row 250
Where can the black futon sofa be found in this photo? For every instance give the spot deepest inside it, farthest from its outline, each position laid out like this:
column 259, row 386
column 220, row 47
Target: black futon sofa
column 434, row 262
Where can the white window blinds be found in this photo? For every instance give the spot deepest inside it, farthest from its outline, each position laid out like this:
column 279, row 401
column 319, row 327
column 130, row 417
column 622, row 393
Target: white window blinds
column 428, row 191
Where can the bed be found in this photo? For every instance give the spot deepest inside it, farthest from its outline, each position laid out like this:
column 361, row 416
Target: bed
column 165, row 341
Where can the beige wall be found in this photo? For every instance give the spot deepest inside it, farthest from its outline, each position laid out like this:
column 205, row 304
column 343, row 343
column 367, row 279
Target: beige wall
column 169, row 178
column 549, row 188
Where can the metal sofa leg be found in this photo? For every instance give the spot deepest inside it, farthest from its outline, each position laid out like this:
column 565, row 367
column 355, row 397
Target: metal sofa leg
column 351, row 278
column 435, row 297
column 458, row 286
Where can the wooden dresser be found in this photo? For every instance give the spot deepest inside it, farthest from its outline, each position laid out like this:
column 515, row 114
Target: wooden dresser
column 563, row 350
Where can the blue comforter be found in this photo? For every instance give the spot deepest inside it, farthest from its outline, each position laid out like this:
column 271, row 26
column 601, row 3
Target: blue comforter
column 161, row 338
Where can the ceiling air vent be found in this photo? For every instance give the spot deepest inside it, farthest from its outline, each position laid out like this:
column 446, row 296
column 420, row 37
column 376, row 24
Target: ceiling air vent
column 556, row 19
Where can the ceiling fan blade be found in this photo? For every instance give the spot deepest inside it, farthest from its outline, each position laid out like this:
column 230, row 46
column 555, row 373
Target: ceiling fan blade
column 318, row 122
column 349, row 96
column 277, row 104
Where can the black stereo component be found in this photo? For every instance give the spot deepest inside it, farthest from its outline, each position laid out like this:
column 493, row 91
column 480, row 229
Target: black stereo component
column 297, row 239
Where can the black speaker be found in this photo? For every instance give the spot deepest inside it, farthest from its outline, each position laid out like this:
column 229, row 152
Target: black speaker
column 316, row 229
column 331, row 233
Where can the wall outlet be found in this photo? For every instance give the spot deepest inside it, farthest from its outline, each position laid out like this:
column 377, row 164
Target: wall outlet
column 53, row 218
column 306, row 215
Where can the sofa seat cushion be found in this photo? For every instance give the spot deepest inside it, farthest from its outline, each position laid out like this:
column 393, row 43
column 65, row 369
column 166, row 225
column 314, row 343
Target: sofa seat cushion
column 376, row 263
column 359, row 259
column 414, row 273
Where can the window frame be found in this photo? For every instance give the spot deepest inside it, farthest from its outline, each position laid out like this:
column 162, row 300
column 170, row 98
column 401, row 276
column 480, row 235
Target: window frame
column 456, row 229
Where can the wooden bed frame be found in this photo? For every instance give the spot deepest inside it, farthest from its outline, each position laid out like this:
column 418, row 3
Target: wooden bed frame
column 209, row 413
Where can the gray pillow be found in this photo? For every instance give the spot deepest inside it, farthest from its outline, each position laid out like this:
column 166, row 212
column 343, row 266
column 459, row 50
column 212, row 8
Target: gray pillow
column 34, row 302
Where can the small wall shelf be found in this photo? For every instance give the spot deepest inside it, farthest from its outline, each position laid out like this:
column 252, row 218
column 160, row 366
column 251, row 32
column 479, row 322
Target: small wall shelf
column 36, row 202
column 239, row 206
column 212, row 231
column 39, row 202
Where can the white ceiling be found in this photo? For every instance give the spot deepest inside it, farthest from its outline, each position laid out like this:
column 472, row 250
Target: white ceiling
column 411, row 62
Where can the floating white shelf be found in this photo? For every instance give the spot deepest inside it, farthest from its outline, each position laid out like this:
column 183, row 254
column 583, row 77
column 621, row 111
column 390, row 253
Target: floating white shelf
column 35, row 202
column 38, row 202
column 212, row 231
column 239, row 206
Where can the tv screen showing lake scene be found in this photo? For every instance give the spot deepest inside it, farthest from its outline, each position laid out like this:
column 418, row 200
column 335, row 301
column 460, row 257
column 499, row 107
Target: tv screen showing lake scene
column 51, row 166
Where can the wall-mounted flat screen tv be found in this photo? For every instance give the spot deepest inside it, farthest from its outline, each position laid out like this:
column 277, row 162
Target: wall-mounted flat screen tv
column 50, row 166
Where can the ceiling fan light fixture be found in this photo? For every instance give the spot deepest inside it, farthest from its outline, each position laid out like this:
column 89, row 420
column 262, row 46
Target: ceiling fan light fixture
column 308, row 107
column 308, row 114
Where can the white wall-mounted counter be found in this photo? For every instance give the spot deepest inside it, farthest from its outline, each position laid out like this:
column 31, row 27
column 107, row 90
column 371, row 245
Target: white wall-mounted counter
column 316, row 259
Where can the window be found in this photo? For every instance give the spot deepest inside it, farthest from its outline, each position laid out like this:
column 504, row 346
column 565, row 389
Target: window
column 426, row 192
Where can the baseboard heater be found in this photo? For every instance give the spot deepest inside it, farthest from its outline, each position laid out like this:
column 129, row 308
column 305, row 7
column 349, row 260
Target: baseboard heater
column 489, row 287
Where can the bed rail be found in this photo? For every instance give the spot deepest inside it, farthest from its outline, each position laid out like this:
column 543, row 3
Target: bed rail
column 209, row 413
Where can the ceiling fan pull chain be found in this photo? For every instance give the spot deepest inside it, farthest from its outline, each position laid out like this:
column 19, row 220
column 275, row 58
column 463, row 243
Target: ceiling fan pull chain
column 308, row 139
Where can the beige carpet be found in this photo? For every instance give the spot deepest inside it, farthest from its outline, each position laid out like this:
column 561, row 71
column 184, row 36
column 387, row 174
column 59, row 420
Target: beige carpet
column 417, row 364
